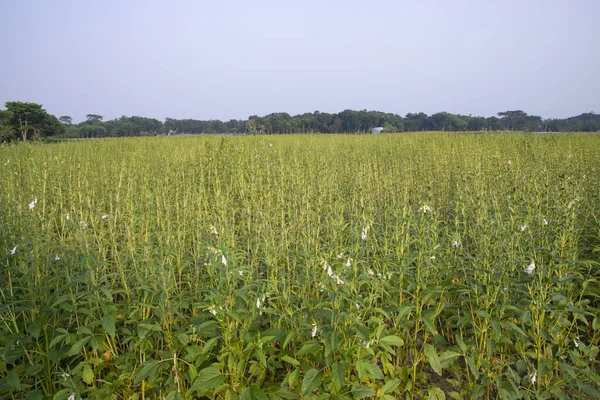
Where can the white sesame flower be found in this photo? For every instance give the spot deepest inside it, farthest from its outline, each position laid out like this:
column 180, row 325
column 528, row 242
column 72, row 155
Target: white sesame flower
column 370, row 272
column 340, row 255
column 530, row 268
column 523, row 227
column 432, row 258
column 455, row 244
column 258, row 303
column 425, row 209
column 576, row 342
column 213, row 230
column 328, row 269
column 56, row 258
column 84, row 224
column 241, row 272
column 509, row 163
column 67, row 217
column 349, row 262
column 545, row 222
column 104, row 216
column 32, row 204
column 14, row 249
column 367, row 344
column 223, row 260
column 379, row 275
column 337, row 279
column 364, row 232
column 314, row 330
column 71, row 397
column 212, row 310
column 357, row 306
column 533, row 378
column 270, row 144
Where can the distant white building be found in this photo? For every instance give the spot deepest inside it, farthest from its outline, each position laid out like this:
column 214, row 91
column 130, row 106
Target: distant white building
column 377, row 129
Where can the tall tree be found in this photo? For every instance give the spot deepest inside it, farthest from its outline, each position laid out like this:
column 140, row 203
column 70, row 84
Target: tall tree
column 27, row 118
column 6, row 130
column 513, row 120
column 66, row 120
column 94, row 118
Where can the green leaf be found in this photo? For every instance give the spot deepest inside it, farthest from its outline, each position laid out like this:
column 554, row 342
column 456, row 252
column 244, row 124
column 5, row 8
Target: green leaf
column 285, row 393
column 260, row 355
column 309, row 347
column 145, row 371
column 253, row 393
column 426, row 319
column 208, row 329
column 13, row 381
column 58, row 338
column 76, row 348
column 193, row 372
column 433, row 358
column 87, row 374
column 293, row 377
column 35, row 329
column 174, row 395
column 338, row 372
column 290, row 360
column 312, row 380
column 108, row 323
column 472, row 367
column 436, row 393
column 392, row 340
column 362, row 391
column 591, row 391
column 64, row 394
column 258, row 393
column 209, row 345
column 34, row 395
column 208, row 378
column 448, row 356
column 390, row 386
column 366, row 369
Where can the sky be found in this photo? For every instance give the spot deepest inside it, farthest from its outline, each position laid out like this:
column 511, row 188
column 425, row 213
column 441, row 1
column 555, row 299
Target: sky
column 232, row 59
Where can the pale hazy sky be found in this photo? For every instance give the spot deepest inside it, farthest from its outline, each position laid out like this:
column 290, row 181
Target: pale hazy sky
column 231, row 59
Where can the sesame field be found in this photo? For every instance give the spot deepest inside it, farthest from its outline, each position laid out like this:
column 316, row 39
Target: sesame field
column 412, row 266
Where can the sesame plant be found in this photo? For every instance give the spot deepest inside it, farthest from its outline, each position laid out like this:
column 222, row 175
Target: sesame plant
column 408, row 266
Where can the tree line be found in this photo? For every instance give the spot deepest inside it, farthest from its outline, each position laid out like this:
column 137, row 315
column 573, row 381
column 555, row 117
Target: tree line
column 30, row 121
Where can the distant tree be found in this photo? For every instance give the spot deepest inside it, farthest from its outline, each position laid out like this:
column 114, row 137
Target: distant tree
column 418, row 122
column 51, row 126
column 94, row 118
column 6, row 130
column 513, row 120
column 92, row 131
column 26, row 118
column 389, row 128
column 252, row 126
column 66, row 120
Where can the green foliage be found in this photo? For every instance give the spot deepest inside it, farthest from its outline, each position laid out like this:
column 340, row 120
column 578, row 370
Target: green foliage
column 27, row 120
column 310, row 266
